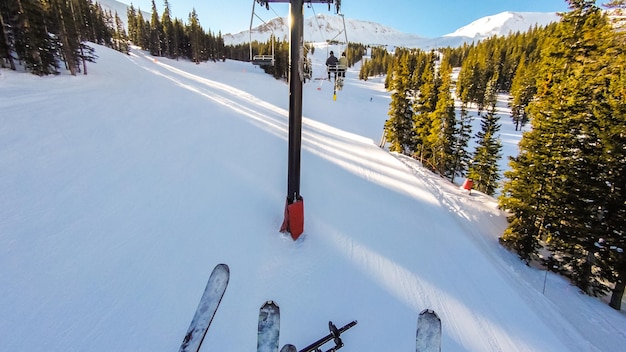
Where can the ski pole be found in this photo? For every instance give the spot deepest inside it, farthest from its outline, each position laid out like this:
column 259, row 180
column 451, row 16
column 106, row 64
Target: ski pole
column 334, row 334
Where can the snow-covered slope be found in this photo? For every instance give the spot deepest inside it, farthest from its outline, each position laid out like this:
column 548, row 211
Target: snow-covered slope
column 121, row 190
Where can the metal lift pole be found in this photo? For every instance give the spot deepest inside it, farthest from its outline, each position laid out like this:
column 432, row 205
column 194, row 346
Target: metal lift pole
column 294, row 207
column 295, row 99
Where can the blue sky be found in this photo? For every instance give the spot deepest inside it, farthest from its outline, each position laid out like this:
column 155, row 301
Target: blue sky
column 428, row 18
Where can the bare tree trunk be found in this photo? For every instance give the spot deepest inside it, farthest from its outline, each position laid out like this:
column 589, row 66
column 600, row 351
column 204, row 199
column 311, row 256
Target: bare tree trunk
column 82, row 54
column 80, row 39
column 33, row 52
column 8, row 45
column 67, row 50
column 620, row 285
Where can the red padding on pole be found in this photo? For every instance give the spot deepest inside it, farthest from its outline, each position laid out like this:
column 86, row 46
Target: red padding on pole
column 468, row 184
column 294, row 218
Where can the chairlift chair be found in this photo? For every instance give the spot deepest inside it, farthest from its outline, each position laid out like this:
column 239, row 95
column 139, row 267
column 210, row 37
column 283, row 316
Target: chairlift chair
column 264, row 60
column 260, row 60
column 338, row 68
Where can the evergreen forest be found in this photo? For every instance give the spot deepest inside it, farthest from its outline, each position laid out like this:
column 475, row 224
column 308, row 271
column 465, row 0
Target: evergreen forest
column 564, row 192
column 169, row 37
column 44, row 36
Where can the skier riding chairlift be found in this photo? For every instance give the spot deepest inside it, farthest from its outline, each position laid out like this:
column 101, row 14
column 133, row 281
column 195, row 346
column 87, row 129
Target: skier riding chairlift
column 331, row 64
column 343, row 65
column 338, row 66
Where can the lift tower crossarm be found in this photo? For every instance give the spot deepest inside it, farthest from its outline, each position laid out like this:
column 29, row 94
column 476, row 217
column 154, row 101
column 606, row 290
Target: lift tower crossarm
column 329, row 2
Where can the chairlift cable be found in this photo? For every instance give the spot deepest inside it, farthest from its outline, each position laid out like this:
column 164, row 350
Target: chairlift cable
column 277, row 15
column 319, row 27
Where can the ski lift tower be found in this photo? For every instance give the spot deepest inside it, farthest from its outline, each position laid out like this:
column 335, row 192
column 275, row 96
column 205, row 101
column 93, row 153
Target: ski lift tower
column 294, row 206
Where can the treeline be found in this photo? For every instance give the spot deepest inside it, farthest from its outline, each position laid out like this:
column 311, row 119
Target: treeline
column 280, row 69
column 379, row 63
column 169, row 37
column 496, row 57
column 565, row 189
column 354, row 53
column 423, row 123
column 41, row 34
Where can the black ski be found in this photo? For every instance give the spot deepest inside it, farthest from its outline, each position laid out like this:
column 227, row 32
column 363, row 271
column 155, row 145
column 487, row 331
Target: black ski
column 210, row 301
column 269, row 327
column 428, row 336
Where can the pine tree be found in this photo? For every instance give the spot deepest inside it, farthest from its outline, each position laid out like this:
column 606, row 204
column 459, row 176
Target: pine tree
column 582, row 104
column 155, row 46
column 120, row 39
column 399, row 125
column 462, row 135
column 523, row 90
column 131, row 17
column 388, row 77
column 194, row 32
column 427, row 87
column 169, row 40
column 469, row 81
column 32, row 41
column 614, row 211
column 180, row 40
column 566, row 177
column 39, row 33
column 6, row 39
column 143, row 31
column 364, row 72
column 484, row 167
column 443, row 123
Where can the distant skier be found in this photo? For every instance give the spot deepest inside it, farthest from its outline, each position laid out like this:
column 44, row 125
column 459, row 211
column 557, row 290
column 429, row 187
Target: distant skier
column 343, row 65
column 331, row 64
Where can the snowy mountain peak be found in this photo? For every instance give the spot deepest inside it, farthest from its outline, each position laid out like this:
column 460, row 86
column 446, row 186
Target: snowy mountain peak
column 504, row 23
column 275, row 25
column 324, row 28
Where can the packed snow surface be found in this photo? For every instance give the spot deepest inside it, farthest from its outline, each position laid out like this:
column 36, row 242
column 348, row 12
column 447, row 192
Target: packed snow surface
column 121, row 190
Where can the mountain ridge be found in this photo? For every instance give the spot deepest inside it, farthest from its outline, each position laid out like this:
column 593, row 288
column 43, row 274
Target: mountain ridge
column 323, row 28
column 504, row 23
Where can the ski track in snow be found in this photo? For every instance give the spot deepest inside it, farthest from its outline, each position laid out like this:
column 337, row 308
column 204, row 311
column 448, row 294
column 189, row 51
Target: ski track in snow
column 213, row 90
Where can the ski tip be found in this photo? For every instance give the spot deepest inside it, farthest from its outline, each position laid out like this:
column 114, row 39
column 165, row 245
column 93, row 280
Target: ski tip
column 269, row 303
column 223, row 267
column 429, row 312
column 288, row 348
